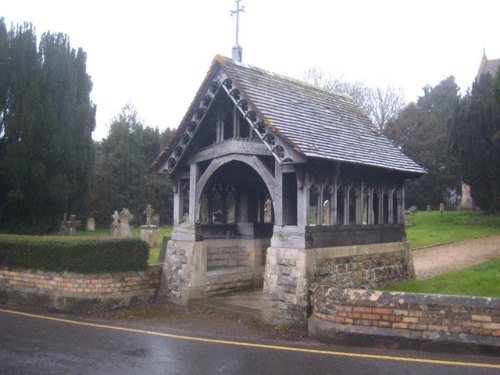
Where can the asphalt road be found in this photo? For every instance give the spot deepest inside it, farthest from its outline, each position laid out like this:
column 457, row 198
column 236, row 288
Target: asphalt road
column 44, row 344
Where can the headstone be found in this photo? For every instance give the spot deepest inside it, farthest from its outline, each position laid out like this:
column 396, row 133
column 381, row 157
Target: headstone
column 149, row 232
column 114, row 228
column 90, row 224
column 412, row 210
column 64, row 224
column 156, row 219
column 125, row 217
column 466, row 201
column 428, row 208
column 72, row 225
column 149, row 214
column 441, row 207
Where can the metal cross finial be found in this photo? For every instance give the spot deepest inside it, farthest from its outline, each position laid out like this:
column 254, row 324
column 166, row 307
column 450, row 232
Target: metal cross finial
column 237, row 12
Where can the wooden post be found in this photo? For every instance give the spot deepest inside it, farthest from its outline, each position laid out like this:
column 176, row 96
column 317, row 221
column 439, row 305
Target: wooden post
column 390, row 204
column 193, row 179
column 381, row 206
column 333, row 205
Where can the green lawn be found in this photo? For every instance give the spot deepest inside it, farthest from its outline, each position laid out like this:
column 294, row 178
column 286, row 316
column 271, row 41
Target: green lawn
column 433, row 228
column 153, row 252
column 480, row 280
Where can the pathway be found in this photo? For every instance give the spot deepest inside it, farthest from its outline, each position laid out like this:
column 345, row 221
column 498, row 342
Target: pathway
column 443, row 258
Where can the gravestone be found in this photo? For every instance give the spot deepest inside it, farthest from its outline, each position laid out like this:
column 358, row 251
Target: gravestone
column 149, row 232
column 114, row 228
column 72, row 225
column 90, row 224
column 125, row 217
column 441, row 207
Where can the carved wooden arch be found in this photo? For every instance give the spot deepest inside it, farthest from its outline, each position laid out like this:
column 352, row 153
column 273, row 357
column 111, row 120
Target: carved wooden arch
column 250, row 160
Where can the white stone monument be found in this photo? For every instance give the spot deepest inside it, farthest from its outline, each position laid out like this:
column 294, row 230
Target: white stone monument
column 149, row 232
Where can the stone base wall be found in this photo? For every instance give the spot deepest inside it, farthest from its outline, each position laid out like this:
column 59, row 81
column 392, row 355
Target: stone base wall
column 364, row 317
column 69, row 291
column 230, row 279
column 185, row 271
column 211, row 267
column 290, row 273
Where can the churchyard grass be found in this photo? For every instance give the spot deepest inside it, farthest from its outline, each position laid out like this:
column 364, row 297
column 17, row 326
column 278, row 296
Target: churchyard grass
column 479, row 280
column 434, row 227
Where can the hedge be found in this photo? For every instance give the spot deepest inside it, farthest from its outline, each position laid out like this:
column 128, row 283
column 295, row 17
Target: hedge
column 73, row 254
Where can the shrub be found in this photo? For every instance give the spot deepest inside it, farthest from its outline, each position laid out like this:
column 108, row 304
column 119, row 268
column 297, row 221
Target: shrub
column 81, row 255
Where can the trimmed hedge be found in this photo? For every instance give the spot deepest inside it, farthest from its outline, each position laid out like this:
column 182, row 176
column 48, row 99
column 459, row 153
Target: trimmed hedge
column 74, row 254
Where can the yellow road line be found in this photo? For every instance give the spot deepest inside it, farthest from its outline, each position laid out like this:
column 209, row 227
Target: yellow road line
column 253, row 345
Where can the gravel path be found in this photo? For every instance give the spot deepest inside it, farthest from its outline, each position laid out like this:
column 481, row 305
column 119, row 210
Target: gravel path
column 438, row 259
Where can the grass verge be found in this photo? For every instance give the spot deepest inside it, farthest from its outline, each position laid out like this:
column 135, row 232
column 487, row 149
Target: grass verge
column 479, row 280
column 434, row 228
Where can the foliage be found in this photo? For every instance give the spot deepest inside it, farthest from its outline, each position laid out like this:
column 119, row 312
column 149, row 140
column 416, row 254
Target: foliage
column 81, row 255
column 122, row 178
column 420, row 131
column 380, row 104
column 433, row 228
column 475, row 141
column 479, row 280
column 46, row 122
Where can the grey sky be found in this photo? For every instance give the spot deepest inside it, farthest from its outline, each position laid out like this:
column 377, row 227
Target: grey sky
column 154, row 54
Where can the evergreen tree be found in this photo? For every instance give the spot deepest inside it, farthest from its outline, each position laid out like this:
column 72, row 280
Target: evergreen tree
column 46, row 157
column 122, row 177
column 475, row 141
column 420, row 131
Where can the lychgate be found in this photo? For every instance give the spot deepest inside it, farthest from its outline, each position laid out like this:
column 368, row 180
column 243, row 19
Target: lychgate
column 279, row 184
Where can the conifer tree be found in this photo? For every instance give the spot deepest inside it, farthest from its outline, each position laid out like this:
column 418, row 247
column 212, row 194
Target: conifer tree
column 475, row 141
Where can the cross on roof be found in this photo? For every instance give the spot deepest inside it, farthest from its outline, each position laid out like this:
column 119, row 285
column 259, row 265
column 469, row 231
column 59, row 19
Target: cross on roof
column 237, row 12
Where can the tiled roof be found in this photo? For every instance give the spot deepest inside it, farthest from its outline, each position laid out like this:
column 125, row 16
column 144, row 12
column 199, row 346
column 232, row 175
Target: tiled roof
column 319, row 123
column 313, row 122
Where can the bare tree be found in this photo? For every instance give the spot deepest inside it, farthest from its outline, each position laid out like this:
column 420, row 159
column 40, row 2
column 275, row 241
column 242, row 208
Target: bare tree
column 379, row 104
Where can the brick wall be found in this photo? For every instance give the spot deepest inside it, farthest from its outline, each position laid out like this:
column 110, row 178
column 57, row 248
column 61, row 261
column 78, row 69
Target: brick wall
column 411, row 316
column 63, row 290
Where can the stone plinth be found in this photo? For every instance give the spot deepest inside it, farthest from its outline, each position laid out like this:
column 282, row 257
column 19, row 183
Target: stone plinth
column 185, row 271
column 149, row 233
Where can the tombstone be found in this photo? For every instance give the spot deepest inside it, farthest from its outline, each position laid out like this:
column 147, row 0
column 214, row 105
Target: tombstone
column 156, row 219
column 149, row 232
column 413, row 210
column 441, row 207
column 125, row 217
column 64, row 224
column 114, row 228
column 72, row 225
column 90, row 224
column 428, row 208
column 466, row 202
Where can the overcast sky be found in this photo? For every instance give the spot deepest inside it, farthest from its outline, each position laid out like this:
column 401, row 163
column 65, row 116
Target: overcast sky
column 155, row 54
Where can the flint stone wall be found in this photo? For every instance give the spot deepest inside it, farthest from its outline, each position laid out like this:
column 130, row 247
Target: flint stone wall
column 290, row 273
column 407, row 319
column 69, row 291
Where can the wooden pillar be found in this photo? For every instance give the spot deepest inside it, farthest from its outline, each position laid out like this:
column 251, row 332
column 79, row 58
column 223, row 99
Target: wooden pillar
column 346, row 205
column 381, row 206
column 390, row 204
column 401, row 203
column 371, row 219
column 319, row 204
column 236, row 123
column 359, row 204
column 177, row 201
column 333, row 205
column 303, row 199
column 278, row 195
column 193, row 179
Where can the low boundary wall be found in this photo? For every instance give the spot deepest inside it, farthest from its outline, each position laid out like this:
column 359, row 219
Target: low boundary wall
column 411, row 320
column 69, row 291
